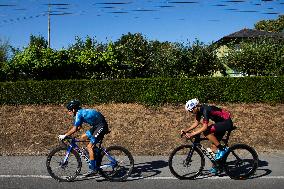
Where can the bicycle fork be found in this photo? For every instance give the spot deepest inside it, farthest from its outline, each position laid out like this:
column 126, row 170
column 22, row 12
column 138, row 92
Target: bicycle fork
column 188, row 160
column 112, row 163
column 64, row 163
column 68, row 151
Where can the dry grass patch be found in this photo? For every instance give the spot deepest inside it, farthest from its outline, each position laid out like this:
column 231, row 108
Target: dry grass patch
column 33, row 130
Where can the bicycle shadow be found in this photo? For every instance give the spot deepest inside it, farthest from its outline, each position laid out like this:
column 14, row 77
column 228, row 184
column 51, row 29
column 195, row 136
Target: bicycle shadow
column 262, row 169
column 148, row 169
column 260, row 172
column 140, row 171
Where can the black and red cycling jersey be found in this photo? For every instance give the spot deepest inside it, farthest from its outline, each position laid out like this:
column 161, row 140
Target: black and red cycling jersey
column 209, row 112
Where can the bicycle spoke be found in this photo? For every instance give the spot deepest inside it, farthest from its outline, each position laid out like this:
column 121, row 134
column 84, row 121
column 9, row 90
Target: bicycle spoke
column 118, row 164
column 241, row 162
column 63, row 171
column 185, row 166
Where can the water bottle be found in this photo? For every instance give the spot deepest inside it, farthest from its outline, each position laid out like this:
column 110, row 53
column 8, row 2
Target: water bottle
column 210, row 152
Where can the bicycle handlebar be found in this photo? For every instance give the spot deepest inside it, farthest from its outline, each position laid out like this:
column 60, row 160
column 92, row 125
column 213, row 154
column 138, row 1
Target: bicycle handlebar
column 68, row 137
column 74, row 138
column 184, row 133
column 195, row 138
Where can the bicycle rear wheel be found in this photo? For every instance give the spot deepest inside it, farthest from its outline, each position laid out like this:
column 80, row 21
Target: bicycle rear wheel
column 60, row 171
column 117, row 164
column 241, row 161
column 185, row 166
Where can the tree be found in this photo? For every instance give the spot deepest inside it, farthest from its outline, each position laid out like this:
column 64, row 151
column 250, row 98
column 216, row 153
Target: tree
column 90, row 59
column 203, row 60
column 30, row 63
column 4, row 56
column 165, row 59
column 4, row 49
column 262, row 58
column 271, row 25
column 38, row 41
column 132, row 52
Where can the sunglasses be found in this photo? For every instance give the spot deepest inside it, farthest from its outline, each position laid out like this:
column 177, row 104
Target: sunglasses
column 192, row 109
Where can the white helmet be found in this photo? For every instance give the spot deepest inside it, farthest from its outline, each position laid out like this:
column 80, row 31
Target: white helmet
column 191, row 104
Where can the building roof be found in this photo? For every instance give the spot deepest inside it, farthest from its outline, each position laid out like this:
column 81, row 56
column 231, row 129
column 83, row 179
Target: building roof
column 245, row 33
column 250, row 34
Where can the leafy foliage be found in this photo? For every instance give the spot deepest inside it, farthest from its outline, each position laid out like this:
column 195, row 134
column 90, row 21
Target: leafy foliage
column 263, row 58
column 5, row 52
column 271, row 25
column 132, row 56
column 146, row 91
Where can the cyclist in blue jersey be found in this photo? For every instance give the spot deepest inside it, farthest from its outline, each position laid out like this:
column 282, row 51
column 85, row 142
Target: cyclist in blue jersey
column 99, row 128
column 214, row 132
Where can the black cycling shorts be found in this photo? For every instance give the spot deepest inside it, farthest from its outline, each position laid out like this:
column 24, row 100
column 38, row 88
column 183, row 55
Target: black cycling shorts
column 219, row 129
column 99, row 130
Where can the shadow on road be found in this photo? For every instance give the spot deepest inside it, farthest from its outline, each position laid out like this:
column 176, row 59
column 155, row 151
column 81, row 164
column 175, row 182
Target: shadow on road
column 260, row 172
column 148, row 169
column 140, row 171
column 153, row 168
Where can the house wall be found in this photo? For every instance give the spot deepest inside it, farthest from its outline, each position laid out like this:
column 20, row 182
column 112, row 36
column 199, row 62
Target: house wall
column 221, row 52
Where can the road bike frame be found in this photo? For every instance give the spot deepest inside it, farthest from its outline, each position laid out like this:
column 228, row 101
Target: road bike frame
column 235, row 163
column 74, row 146
column 197, row 144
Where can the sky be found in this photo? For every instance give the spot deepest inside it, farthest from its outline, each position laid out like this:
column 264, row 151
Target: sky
column 182, row 21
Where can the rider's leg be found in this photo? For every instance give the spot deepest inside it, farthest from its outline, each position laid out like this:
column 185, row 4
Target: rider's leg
column 220, row 129
column 95, row 134
column 213, row 170
column 90, row 146
column 213, row 139
column 213, row 147
column 209, row 133
column 92, row 164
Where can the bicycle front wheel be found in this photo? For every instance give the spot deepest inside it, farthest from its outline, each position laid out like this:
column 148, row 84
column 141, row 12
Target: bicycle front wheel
column 116, row 164
column 241, row 161
column 62, row 170
column 186, row 162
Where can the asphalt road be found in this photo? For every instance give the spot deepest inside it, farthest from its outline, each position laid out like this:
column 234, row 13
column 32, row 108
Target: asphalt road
column 17, row 172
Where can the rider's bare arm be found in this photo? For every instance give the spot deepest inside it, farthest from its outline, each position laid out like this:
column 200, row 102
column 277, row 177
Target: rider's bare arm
column 202, row 129
column 73, row 130
column 193, row 126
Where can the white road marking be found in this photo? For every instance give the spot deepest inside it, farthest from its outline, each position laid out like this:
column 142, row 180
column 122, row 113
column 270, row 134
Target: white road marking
column 134, row 178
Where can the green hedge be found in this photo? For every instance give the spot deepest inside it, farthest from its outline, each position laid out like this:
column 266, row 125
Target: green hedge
column 145, row 91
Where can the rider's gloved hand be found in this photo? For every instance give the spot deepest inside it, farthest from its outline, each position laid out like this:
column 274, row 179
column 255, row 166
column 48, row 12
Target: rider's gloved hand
column 61, row 137
column 182, row 133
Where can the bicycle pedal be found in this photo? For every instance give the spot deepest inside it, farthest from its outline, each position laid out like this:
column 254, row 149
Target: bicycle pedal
column 91, row 174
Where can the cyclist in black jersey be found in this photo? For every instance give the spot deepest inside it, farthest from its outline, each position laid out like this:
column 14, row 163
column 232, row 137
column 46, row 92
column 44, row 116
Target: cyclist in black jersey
column 214, row 132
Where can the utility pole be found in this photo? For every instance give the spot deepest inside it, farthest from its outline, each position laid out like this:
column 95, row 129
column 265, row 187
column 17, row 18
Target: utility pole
column 48, row 26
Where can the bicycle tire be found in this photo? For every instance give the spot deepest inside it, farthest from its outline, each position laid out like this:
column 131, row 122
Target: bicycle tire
column 181, row 168
column 123, row 167
column 241, row 161
column 57, row 171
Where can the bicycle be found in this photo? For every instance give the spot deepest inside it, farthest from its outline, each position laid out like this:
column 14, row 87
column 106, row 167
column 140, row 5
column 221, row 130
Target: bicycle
column 188, row 161
column 64, row 162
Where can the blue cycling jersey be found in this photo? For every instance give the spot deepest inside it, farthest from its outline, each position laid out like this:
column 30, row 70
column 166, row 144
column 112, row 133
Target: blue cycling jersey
column 90, row 116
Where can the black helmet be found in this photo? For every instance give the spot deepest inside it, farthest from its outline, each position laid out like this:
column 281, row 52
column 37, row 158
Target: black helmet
column 73, row 104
